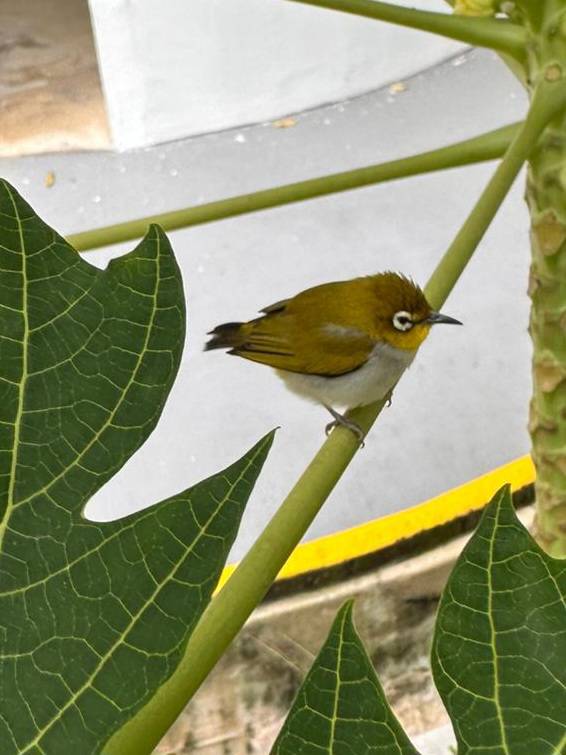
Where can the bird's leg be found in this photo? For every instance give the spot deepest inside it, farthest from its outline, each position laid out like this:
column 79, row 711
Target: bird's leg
column 388, row 397
column 341, row 421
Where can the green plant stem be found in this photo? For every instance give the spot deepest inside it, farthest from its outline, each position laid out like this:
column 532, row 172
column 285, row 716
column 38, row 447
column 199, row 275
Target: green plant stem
column 229, row 610
column 227, row 613
column 488, row 146
column 497, row 34
column 547, row 101
column 547, row 289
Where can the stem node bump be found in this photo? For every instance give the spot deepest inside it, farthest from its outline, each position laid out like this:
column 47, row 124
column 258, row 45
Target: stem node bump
column 553, row 72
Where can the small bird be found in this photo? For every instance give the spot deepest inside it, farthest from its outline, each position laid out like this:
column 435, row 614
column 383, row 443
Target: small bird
column 343, row 344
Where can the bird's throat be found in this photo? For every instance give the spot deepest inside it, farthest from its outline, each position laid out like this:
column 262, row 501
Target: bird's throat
column 408, row 340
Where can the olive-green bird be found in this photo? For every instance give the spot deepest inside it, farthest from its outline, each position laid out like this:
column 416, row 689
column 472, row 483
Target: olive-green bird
column 342, row 344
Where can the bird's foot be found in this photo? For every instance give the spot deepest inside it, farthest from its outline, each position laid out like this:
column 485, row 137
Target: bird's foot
column 388, row 398
column 341, row 421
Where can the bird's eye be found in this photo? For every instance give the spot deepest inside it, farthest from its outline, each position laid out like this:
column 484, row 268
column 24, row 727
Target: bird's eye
column 402, row 321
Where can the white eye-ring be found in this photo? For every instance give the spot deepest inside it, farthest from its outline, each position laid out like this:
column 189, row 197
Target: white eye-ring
column 402, row 321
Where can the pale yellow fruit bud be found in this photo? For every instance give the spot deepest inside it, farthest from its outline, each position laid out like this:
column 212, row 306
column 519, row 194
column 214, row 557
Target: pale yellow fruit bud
column 475, row 7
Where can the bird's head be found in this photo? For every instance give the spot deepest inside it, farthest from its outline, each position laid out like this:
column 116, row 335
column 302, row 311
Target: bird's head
column 404, row 317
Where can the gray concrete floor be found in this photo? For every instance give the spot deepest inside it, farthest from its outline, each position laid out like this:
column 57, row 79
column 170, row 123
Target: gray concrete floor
column 461, row 409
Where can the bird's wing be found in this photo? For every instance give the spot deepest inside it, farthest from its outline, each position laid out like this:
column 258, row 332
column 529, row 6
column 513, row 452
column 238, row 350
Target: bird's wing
column 278, row 341
column 277, row 307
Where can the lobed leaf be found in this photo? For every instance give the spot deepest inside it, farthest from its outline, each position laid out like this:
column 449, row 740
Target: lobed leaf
column 341, row 708
column 499, row 653
column 93, row 616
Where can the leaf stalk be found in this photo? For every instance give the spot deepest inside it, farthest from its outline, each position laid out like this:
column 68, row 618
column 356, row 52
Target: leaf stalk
column 547, row 101
column 488, row 146
column 496, row 34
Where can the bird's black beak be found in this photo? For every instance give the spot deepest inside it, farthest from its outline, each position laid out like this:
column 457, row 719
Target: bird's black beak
column 436, row 317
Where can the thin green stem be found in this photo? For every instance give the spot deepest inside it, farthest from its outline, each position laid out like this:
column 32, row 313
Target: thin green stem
column 488, row 146
column 547, row 101
column 497, row 34
column 229, row 610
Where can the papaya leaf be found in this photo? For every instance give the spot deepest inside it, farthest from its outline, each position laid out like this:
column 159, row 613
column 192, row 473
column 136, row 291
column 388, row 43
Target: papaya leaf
column 93, row 616
column 499, row 652
column 341, row 708
column 499, row 659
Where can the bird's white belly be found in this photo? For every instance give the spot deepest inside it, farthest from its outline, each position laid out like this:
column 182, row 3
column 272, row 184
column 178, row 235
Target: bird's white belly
column 370, row 382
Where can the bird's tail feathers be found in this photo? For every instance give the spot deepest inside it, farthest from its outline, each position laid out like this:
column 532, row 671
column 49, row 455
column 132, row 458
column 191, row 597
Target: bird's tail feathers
column 226, row 336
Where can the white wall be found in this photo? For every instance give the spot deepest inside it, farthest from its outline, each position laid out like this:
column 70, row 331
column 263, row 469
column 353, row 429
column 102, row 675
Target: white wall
column 183, row 67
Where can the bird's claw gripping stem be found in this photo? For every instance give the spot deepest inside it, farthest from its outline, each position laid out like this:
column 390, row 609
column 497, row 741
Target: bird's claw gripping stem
column 341, row 421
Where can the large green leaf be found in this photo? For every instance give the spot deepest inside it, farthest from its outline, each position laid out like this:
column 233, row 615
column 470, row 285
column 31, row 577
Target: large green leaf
column 93, row 617
column 499, row 654
column 499, row 659
column 341, row 708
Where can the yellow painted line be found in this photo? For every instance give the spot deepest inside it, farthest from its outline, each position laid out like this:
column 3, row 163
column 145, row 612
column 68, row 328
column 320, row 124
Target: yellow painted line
column 381, row 533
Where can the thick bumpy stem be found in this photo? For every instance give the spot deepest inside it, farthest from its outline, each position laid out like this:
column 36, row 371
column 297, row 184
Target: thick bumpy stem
column 547, row 201
column 546, row 197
